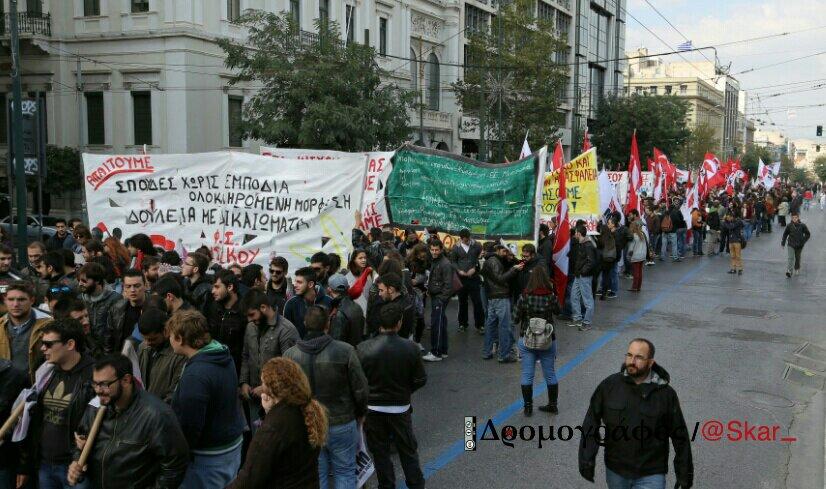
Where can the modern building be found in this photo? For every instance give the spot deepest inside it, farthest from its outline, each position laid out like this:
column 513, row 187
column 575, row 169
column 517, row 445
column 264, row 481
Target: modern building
column 805, row 152
column 774, row 141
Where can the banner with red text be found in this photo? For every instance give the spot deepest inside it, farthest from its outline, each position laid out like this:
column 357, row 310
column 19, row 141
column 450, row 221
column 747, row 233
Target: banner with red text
column 245, row 208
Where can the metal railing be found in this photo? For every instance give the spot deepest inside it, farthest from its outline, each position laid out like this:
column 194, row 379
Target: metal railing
column 27, row 23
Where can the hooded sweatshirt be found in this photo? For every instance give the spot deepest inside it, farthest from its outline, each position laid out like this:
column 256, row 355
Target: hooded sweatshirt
column 206, row 401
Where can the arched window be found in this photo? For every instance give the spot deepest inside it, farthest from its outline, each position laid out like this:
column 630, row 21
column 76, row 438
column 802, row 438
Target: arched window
column 433, row 82
column 414, row 72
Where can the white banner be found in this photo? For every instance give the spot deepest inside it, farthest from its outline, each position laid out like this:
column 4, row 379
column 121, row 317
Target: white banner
column 244, row 207
column 374, row 209
column 620, row 179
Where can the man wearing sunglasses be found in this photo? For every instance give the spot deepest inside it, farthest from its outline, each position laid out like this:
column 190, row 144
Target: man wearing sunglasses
column 47, row 449
column 280, row 287
column 140, row 443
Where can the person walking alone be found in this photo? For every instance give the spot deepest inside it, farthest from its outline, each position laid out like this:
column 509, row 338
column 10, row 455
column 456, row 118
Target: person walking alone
column 733, row 226
column 795, row 235
column 637, row 252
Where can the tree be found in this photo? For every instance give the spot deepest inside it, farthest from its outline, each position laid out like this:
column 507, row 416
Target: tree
column 318, row 91
column 819, row 167
column 512, row 67
column 800, row 175
column 701, row 140
column 660, row 120
column 750, row 161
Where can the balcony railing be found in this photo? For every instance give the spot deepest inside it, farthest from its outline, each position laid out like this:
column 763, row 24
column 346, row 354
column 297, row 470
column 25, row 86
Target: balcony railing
column 27, row 23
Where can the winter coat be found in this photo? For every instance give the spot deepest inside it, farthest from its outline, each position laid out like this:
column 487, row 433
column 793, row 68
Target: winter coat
column 98, row 308
column 279, row 297
column 623, row 406
column 206, row 400
column 199, row 292
column 335, row 374
column 228, row 326
column 637, row 249
column 585, row 260
column 538, row 303
column 734, row 230
column 796, row 234
column 497, row 277
column 35, row 334
column 260, row 347
column 347, row 321
column 393, row 367
column 296, row 307
column 440, row 285
column 12, row 381
column 466, row 260
column 783, row 209
column 160, row 369
column 116, row 331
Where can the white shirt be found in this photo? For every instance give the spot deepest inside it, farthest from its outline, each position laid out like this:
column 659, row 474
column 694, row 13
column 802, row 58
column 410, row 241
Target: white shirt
column 389, row 409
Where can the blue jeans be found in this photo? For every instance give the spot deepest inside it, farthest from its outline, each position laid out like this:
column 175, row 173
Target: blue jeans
column 681, row 241
column 546, row 360
column 338, row 456
column 438, row 327
column 669, row 239
column 581, row 293
column 498, row 325
column 616, row 481
column 747, row 229
column 212, row 470
column 54, row 477
column 697, row 241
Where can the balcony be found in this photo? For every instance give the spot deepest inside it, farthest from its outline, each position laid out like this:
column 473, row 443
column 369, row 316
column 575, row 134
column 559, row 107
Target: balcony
column 27, row 23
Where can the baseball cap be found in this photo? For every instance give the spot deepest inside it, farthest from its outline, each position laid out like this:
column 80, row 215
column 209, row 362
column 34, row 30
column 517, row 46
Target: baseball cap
column 338, row 282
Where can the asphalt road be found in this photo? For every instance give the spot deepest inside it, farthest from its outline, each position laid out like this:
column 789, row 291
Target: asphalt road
column 727, row 341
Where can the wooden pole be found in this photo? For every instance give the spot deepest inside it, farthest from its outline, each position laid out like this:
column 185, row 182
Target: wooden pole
column 9, row 424
column 90, row 440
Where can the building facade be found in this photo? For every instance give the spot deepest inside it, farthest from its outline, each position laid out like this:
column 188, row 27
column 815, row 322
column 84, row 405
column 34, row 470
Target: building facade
column 775, row 141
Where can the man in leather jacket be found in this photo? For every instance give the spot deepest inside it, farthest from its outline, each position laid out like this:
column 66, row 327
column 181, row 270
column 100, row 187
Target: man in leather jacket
column 140, row 444
column 394, row 370
column 639, row 402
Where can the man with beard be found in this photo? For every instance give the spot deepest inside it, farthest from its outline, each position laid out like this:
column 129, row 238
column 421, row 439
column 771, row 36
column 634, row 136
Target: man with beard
column 253, row 277
column 160, row 366
column 122, row 322
column 636, row 400
column 280, row 287
column 52, row 270
column 62, row 239
column 139, row 444
column 151, row 266
column 465, row 257
column 320, row 263
column 193, row 269
column 225, row 316
column 307, row 293
column 390, row 292
column 54, row 418
column 268, row 335
column 97, row 296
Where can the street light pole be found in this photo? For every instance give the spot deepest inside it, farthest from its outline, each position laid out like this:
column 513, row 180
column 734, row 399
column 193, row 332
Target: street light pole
column 17, row 135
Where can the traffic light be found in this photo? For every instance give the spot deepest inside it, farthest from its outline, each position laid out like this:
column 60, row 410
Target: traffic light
column 820, row 130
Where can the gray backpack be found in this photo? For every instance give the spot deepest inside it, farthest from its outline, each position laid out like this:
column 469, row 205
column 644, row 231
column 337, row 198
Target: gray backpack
column 538, row 334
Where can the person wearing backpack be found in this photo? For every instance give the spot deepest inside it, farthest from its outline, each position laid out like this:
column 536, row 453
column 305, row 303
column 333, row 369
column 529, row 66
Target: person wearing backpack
column 534, row 314
column 669, row 236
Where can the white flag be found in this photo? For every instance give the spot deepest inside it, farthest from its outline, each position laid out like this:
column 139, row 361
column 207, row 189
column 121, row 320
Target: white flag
column 526, row 150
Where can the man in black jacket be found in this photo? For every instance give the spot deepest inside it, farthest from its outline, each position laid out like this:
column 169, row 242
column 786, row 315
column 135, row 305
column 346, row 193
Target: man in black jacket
column 394, row 370
column 198, row 285
column 390, row 291
column 795, row 235
column 465, row 257
column 124, row 315
column 584, row 265
column 641, row 386
column 227, row 322
column 140, row 443
column 337, row 381
column 47, row 450
column 498, row 325
column 545, row 247
column 440, row 289
column 346, row 317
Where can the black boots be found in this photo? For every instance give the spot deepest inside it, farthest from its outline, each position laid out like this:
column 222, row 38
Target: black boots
column 553, row 396
column 527, row 397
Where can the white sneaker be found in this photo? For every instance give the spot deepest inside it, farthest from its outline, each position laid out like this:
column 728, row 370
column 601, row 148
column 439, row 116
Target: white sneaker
column 797, row 272
column 430, row 357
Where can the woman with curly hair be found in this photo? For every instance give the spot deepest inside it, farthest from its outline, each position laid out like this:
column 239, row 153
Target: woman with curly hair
column 284, row 450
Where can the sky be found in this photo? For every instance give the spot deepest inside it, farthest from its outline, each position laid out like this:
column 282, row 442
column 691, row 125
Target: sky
column 710, row 22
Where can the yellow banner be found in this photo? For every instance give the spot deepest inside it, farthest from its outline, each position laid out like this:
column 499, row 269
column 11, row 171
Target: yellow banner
column 581, row 185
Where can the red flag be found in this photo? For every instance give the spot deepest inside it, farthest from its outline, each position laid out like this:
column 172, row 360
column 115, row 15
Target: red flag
column 562, row 242
column 586, row 143
column 634, row 177
column 559, row 158
column 650, row 164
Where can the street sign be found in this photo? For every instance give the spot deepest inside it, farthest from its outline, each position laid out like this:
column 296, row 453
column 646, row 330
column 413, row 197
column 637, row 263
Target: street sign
column 33, row 136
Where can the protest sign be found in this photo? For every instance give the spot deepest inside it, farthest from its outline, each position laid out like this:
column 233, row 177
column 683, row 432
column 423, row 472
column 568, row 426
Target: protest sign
column 620, row 180
column 581, row 187
column 245, row 208
column 430, row 188
column 373, row 209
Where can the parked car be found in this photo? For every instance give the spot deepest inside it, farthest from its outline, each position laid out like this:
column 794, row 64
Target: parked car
column 34, row 230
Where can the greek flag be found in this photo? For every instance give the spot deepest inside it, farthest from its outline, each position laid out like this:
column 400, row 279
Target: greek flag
column 686, row 46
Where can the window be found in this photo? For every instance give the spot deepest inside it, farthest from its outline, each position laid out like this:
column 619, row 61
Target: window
column 295, row 13
column 563, row 24
column 433, row 82
column 597, row 87
column 652, row 90
column 683, row 89
column 233, row 10
column 382, row 36
column 236, row 105
column 142, row 117
column 414, row 72
column 545, row 12
column 476, row 19
column 34, row 7
column 598, row 36
column 668, row 89
column 91, row 8
column 638, row 90
column 324, row 11
column 366, row 37
column 140, row 6
column 95, row 132
column 350, row 23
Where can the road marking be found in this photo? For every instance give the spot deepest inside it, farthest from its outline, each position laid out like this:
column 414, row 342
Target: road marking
column 456, row 449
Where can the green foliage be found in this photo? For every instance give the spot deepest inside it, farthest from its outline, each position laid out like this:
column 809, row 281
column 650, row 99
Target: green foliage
column 701, row 140
column 800, row 175
column 63, row 171
column 750, row 161
column 318, row 91
column 786, row 165
column 660, row 120
column 522, row 77
column 820, row 168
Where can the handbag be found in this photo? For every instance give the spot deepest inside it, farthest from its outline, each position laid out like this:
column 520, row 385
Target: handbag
column 538, row 334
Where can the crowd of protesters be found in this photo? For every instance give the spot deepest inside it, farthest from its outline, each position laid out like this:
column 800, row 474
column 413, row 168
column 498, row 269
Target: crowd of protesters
column 253, row 377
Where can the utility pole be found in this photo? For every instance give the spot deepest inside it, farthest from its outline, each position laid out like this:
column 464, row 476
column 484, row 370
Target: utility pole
column 419, row 84
column 17, row 136
column 79, row 74
column 500, row 157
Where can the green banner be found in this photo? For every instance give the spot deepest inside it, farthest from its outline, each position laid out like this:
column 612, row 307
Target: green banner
column 449, row 192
